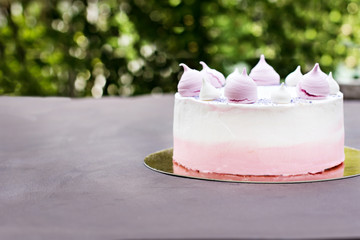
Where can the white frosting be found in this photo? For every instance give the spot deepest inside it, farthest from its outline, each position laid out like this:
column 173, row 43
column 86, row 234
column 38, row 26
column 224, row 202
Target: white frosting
column 293, row 78
column 281, row 95
column 208, row 91
column 334, row 86
column 199, row 121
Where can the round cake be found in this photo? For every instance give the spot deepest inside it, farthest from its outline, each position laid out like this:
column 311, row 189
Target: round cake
column 252, row 125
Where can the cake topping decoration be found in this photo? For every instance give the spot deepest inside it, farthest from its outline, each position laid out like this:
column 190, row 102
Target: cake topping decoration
column 281, row 95
column 190, row 82
column 215, row 77
column 241, row 89
column 293, row 78
column 314, row 84
column 334, row 86
column 264, row 74
column 235, row 74
column 208, row 92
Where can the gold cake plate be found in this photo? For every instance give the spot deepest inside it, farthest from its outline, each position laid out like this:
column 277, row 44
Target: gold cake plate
column 162, row 162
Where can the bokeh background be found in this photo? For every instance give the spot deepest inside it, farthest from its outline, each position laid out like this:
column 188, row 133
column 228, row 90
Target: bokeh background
column 130, row 47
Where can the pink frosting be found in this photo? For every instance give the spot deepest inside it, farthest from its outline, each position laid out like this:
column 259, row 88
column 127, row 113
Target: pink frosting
column 264, row 74
column 241, row 88
column 237, row 158
column 215, row 77
column 190, row 82
column 314, row 85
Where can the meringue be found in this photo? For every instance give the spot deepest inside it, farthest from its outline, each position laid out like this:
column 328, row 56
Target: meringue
column 293, row 78
column 264, row 74
column 215, row 77
column 281, row 95
column 208, row 92
column 314, row 84
column 190, row 82
column 235, row 74
column 241, row 89
column 334, row 86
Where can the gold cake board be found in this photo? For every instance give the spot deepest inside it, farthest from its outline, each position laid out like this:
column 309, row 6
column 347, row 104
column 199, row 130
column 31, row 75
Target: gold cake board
column 162, row 162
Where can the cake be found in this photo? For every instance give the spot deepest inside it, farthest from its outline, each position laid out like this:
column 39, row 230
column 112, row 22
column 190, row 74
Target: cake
column 332, row 173
column 254, row 125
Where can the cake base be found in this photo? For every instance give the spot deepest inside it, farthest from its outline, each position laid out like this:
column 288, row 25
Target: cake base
column 162, row 162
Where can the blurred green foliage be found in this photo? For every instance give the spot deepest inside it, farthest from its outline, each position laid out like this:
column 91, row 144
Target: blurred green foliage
column 129, row 47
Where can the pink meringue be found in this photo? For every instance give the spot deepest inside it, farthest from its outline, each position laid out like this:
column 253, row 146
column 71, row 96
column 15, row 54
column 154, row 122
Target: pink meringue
column 334, row 86
column 234, row 75
column 241, row 89
column 314, row 84
column 264, row 74
column 215, row 77
column 190, row 82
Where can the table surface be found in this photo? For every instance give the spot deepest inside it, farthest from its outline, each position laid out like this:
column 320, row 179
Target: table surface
column 73, row 169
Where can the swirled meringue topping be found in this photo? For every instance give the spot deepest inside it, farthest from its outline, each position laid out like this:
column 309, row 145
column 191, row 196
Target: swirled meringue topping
column 293, row 78
column 208, row 91
column 334, row 86
column 235, row 74
column 281, row 95
column 264, row 74
column 313, row 85
column 190, row 82
column 241, row 89
column 215, row 77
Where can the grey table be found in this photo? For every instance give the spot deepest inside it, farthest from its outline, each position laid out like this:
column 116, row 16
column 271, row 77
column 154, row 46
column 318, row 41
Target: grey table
column 73, row 169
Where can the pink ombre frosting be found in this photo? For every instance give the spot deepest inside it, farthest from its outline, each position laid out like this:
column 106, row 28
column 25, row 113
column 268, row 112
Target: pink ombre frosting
column 314, row 84
column 215, row 77
column 259, row 139
column 264, row 74
column 241, row 88
column 247, row 159
column 190, row 82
